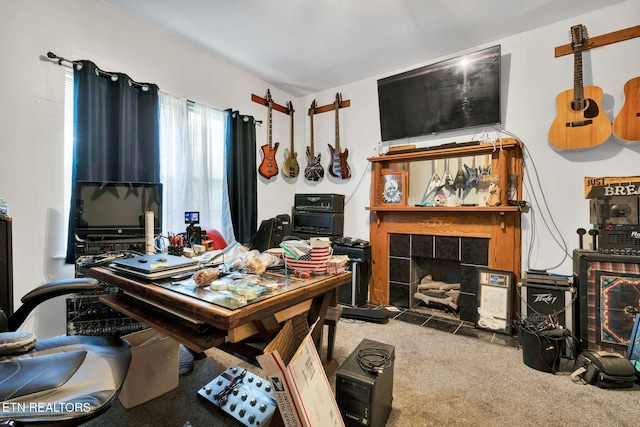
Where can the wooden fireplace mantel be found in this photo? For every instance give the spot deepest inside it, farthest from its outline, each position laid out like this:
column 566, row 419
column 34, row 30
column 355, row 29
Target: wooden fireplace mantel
column 500, row 224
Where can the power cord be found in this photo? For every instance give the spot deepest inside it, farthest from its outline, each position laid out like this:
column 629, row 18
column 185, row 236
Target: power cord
column 374, row 360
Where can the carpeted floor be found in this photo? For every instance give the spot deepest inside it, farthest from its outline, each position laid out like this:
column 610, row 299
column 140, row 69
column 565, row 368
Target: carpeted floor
column 440, row 379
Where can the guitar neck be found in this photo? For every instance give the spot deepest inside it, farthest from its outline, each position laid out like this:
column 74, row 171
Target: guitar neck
column 337, row 127
column 269, row 121
column 311, row 148
column 578, row 88
column 291, row 109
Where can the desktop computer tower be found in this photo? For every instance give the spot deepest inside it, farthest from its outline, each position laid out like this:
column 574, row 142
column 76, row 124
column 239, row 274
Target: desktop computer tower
column 364, row 398
column 356, row 293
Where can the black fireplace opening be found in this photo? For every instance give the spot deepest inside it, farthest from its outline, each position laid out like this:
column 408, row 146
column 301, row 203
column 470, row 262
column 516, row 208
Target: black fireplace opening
column 436, row 273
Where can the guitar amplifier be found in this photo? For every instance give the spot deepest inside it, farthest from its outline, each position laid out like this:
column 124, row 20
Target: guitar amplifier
column 619, row 239
column 318, row 223
column 327, row 203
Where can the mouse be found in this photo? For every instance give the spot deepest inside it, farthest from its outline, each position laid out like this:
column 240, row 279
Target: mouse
column 142, row 260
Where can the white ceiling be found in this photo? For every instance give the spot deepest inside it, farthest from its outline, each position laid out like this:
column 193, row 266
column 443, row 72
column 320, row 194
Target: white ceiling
column 307, row 46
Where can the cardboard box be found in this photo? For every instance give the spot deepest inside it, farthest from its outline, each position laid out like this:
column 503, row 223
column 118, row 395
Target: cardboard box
column 300, row 385
column 153, row 371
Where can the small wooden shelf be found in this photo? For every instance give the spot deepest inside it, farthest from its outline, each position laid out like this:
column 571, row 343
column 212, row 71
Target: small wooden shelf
column 454, row 151
column 432, row 209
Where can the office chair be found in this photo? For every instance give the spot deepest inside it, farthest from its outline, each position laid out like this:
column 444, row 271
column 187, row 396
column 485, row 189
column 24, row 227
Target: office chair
column 64, row 380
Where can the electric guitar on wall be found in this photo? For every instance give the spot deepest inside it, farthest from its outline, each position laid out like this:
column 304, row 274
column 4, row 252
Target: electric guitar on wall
column 486, row 169
column 269, row 167
column 472, row 175
column 627, row 123
column 580, row 122
column 338, row 166
column 434, row 184
column 447, row 180
column 314, row 170
column 460, row 179
column 290, row 168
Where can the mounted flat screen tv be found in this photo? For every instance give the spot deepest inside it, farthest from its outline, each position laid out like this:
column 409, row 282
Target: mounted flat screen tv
column 112, row 209
column 457, row 93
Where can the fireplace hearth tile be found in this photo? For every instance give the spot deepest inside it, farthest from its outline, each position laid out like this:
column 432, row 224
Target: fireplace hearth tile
column 411, row 317
column 443, row 324
column 457, row 327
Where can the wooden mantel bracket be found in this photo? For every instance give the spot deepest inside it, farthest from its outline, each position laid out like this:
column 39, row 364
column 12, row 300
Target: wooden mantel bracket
column 263, row 101
column 603, row 40
column 283, row 109
column 330, row 107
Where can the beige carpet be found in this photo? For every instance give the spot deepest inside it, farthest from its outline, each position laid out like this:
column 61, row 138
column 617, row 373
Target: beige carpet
column 444, row 379
column 440, row 379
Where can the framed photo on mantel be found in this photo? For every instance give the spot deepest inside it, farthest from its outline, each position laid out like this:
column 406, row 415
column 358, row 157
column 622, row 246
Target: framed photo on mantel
column 394, row 188
column 494, row 300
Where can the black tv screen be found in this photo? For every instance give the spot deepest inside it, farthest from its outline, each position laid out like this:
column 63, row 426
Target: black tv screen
column 457, row 93
column 107, row 209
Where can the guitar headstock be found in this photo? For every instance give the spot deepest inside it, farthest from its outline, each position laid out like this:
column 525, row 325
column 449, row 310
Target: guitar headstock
column 338, row 102
column 290, row 109
column 579, row 37
column 268, row 101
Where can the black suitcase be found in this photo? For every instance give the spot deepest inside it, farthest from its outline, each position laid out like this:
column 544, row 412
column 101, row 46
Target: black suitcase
column 604, row 369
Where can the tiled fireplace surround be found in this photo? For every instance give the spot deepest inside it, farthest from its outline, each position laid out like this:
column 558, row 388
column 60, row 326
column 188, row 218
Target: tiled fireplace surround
column 448, row 259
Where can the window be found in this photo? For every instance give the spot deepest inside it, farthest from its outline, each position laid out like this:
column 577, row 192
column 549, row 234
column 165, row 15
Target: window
column 192, row 156
column 193, row 172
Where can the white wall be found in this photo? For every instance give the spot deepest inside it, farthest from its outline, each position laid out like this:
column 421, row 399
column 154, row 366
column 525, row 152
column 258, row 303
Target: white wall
column 531, row 79
column 31, row 116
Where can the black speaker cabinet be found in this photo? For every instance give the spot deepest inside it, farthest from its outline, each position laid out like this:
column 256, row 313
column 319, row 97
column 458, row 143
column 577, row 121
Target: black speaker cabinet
column 608, row 295
column 356, row 293
column 554, row 300
column 6, row 267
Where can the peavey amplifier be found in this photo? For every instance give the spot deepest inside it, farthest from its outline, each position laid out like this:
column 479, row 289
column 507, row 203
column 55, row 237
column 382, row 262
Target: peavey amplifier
column 546, row 299
column 327, row 203
column 619, row 239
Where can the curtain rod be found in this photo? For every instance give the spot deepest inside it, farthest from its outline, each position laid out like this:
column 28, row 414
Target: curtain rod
column 114, row 77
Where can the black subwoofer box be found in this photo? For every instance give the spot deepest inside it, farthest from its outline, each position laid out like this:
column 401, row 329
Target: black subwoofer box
column 355, row 294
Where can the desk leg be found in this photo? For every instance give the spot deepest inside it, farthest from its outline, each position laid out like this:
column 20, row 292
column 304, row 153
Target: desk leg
column 318, row 311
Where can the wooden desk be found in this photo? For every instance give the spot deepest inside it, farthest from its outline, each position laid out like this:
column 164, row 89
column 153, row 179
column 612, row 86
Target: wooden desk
column 211, row 325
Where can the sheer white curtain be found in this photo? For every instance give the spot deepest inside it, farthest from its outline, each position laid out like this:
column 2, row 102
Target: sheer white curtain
column 192, row 166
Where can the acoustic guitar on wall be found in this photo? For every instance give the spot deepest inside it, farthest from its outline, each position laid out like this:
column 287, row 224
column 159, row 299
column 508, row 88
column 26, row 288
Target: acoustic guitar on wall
column 580, row 122
column 290, row 167
column 269, row 167
column 338, row 166
column 627, row 123
column 314, row 170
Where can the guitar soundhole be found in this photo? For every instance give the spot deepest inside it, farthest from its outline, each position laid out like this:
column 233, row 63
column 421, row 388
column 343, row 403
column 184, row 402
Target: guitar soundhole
column 578, row 104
